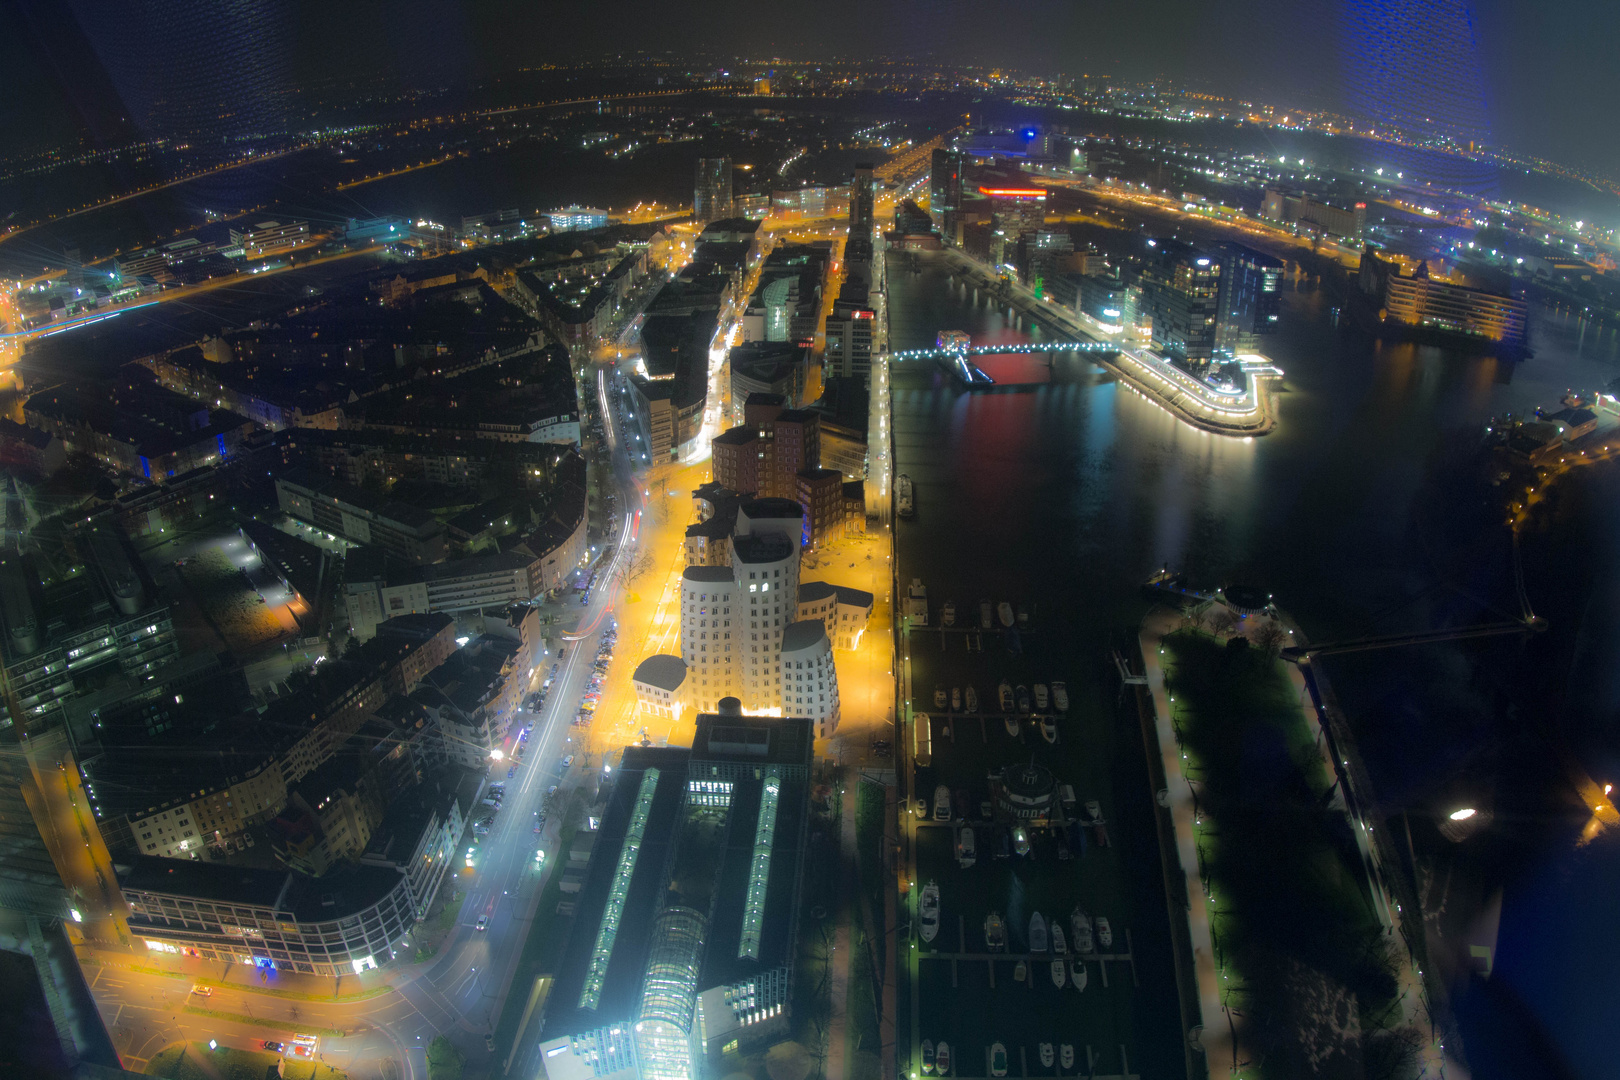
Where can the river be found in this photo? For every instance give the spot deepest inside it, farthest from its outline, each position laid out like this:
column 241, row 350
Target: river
column 1365, row 511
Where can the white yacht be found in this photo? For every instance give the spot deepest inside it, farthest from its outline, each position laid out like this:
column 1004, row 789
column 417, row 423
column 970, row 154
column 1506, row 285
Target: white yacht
column 1020, row 971
column 929, row 910
column 939, row 697
column 1077, row 973
column 1004, row 612
column 1060, row 695
column 1060, row 944
column 1047, row 1056
column 928, row 1055
column 956, row 699
column 942, row 803
column 966, row 853
column 972, row 700
column 1041, row 699
column 948, row 616
column 1080, row 926
column 1005, row 692
column 1037, row 933
column 1058, row 975
column 998, row 1060
column 1066, row 1055
column 1049, row 729
column 906, row 503
column 942, row 1058
column 1105, row 933
column 1010, row 722
column 984, row 615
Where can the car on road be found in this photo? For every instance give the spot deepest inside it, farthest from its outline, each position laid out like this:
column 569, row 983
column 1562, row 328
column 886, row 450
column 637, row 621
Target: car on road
column 511, row 772
column 568, row 762
column 203, row 991
column 489, row 1043
column 483, row 921
column 272, row 1046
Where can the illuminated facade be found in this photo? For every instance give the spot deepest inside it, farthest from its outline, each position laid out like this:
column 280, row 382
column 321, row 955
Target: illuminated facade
column 694, row 893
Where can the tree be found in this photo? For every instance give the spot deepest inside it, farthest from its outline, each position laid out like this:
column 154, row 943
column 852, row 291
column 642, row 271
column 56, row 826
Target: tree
column 1221, row 620
column 444, row 1059
column 1271, row 638
column 788, row 1061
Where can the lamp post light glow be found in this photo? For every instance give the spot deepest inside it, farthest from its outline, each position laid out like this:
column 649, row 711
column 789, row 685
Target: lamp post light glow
column 1464, row 814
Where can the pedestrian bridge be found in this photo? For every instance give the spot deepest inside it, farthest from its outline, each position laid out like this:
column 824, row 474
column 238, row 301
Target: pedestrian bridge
column 987, row 350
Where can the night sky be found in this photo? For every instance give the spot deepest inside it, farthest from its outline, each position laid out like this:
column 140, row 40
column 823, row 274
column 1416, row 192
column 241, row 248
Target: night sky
column 1534, row 76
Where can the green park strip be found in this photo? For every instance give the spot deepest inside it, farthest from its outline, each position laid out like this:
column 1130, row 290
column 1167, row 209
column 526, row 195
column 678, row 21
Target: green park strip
column 278, row 1025
column 195, row 1061
column 1308, row 975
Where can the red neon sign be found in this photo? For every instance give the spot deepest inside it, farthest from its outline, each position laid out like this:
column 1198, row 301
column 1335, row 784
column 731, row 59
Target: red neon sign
column 1015, row 193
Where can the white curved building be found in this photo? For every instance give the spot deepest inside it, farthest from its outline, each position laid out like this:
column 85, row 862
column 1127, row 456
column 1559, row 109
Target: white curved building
column 712, row 655
column 765, row 566
column 809, row 685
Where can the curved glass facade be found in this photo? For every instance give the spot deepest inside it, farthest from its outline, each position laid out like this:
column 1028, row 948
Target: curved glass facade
column 669, row 996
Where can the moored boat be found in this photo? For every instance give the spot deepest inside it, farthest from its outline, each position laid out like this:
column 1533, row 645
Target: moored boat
column 966, row 847
column 928, row 1055
column 1066, row 1055
column 939, row 697
column 984, row 614
column 1023, row 615
column 1060, row 695
column 1077, row 973
column 905, row 496
column 956, row 699
column 1041, row 699
column 1047, row 1056
column 1080, row 927
column 1037, row 933
column 1010, row 722
column 995, row 932
column 972, row 700
column 942, row 1058
column 1005, row 691
column 1020, row 971
column 1048, row 729
column 1022, row 693
column 998, row 1060
column 942, row 803
column 1060, row 944
column 1105, row 933
column 929, row 910
column 948, row 616
column 1004, row 612
column 1059, row 977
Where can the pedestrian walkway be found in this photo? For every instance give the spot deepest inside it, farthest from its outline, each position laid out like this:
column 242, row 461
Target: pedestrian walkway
column 838, row 1013
column 1217, row 1038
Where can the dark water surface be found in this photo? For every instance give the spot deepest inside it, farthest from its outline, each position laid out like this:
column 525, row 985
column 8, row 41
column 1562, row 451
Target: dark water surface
column 1367, row 511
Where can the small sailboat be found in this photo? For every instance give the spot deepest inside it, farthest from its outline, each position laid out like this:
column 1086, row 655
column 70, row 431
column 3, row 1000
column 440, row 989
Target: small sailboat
column 942, row 1058
column 995, row 932
column 1105, row 933
column 928, row 1055
column 1023, row 698
column 1020, row 971
column 972, row 700
column 929, row 910
column 998, row 1060
column 1058, row 976
column 1041, row 697
column 984, row 615
column 1060, row 695
column 1049, row 729
column 1077, row 973
column 1066, row 1055
column 939, row 697
column 1060, row 944
column 949, row 616
column 1004, row 612
column 1047, row 1056
column 956, row 699
column 1037, row 933
column 1005, row 691
column 1080, row 927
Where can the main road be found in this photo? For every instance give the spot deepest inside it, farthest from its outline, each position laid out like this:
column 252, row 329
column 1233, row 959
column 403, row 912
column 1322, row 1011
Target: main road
column 378, row 1025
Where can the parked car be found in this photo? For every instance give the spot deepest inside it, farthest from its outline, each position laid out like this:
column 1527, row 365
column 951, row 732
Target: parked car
column 568, row 762
column 483, row 921
column 271, row 1045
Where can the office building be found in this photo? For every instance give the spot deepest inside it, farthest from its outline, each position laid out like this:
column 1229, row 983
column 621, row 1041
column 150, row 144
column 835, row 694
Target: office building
column 1422, row 301
column 406, row 532
column 1310, row 215
column 577, row 219
column 1181, row 293
column 862, row 200
column 775, row 368
column 270, row 238
column 681, row 963
column 945, row 190
column 1044, row 256
column 848, row 353
column 809, row 682
column 1251, row 299
column 764, row 454
column 711, row 196
column 1016, row 209
column 660, row 685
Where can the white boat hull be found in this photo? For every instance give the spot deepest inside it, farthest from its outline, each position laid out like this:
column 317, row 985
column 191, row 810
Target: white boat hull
column 1059, row 977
